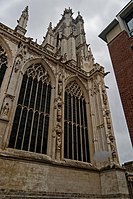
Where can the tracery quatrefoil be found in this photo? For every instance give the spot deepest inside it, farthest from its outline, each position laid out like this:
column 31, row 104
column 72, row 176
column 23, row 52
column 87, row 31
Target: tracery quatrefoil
column 38, row 71
column 74, row 89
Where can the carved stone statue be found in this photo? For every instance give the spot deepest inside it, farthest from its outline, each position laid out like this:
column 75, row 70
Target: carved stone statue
column 5, row 111
column 104, row 96
column 17, row 64
column 108, row 118
column 58, row 140
column 59, row 114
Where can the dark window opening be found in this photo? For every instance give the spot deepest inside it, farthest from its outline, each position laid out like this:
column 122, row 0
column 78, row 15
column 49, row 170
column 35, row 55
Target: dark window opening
column 129, row 22
column 76, row 142
column 31, row 121
column 3, row 64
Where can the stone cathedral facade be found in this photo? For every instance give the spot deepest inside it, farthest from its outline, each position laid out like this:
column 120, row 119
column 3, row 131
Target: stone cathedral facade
column 56, row 135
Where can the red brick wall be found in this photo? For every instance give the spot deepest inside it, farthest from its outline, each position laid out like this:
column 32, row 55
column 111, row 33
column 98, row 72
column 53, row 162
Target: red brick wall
column 121, row 52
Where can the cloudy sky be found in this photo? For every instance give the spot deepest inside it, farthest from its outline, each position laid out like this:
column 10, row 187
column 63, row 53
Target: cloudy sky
column 97, row 15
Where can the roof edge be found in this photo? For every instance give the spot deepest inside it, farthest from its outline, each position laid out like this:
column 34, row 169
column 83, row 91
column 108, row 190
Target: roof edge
column 103, row 34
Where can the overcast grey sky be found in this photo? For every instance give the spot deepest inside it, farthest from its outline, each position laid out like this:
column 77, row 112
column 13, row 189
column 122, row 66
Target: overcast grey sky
column 97, row 15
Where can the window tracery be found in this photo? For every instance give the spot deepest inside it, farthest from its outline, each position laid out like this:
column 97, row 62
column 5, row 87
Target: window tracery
column 3, row 64
column 76, row 141
column 31, row 121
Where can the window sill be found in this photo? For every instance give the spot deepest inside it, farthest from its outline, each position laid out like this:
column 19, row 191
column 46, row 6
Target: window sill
column 14, row 154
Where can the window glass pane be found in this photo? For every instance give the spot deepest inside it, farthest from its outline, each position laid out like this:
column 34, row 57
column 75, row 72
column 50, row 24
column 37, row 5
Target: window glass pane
column 77, row 105
column 87, row 145
column 43, row 97
column 69, row 108
column 27, row 131
column 83, row 145
column 15, row 127
column 129, row 21
column 28, row 90
column 75, row 142
column 70, row 141
column 79, row 143
column 2, row 72
column 38, row 100
column 48, row 99
column 45, row 135
column 85, row 117
column 81, row 112
column 21, row 129
column 39, row 136
column 65, row 140
column 74, row 114
column 34, row 132
column 65, row 107
column 33, row 94
column 22, row 90
column 3, row 64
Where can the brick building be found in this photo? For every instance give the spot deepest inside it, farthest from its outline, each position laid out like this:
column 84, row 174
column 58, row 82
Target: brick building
column 119, row 37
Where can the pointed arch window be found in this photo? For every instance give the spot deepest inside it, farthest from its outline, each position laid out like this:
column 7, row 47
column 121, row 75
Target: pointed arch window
column 76, row 141
column 3, row 64
column 31, row 121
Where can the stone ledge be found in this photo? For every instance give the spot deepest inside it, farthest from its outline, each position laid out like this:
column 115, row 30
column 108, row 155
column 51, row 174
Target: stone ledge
column 41, row 158
column 13, row 194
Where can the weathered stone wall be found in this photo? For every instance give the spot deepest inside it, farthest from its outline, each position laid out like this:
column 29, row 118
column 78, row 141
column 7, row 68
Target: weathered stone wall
column 21, row 178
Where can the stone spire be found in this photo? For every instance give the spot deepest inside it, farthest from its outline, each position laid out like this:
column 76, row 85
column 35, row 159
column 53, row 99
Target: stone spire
column 49, row 38
column 22, row 22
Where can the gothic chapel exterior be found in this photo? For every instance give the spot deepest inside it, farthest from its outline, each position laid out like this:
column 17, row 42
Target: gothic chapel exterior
column 56, row 135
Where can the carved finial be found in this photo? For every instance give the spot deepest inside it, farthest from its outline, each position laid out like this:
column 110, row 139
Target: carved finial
column 78, row 13
column 79, row 17
column 50, row 26
column 22, row 22
column 68, row 11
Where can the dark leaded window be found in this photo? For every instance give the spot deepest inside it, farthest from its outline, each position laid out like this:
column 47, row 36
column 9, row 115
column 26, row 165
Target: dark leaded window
column 3, row 64
column 76, row 142
column 31, row 121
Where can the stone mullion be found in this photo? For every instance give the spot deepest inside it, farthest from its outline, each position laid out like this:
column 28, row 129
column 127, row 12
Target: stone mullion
column 43, row 134
column 53, row 145
column 80, row 130
column 38, row 115
column 25, row 90
column 48, row 150
column 37, row 132
column 31, row 130
column 76, row 126
column 84, row 130
column 26, row 121
column 31, row 93
column 67, row 124
column 72, row 127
